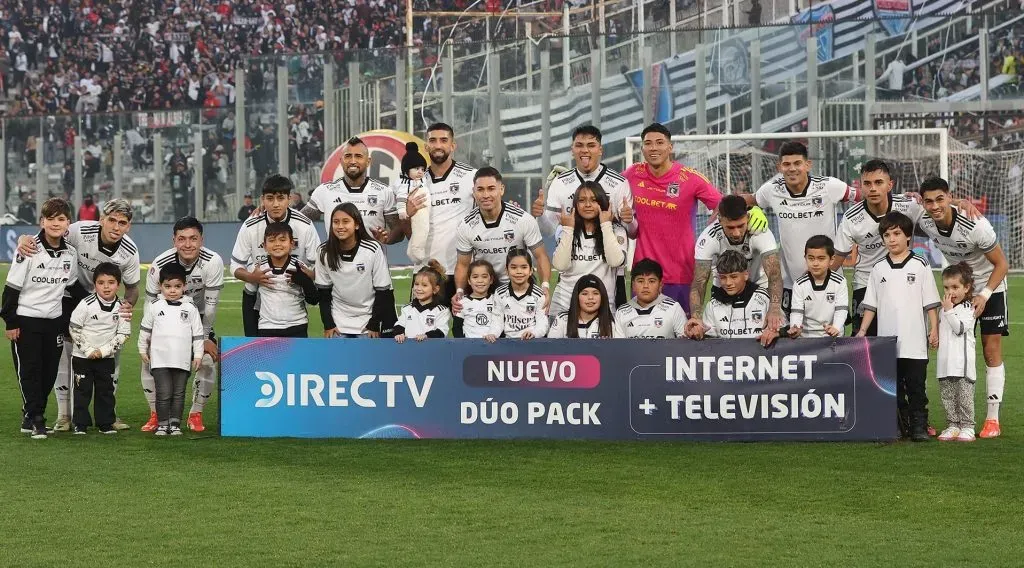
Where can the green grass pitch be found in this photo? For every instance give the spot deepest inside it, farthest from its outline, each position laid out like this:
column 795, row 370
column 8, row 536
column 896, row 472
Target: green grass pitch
column 134, row 500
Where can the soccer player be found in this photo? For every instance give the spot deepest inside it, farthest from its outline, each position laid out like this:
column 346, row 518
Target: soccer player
column 98, row 332
column 666, row 195
column 448, row 187
column 901, row 293
column 732, row 232
column 738, row 307
column 557, row 201
column 356, row 296
column 650, row 314
column 283, row 301
column 974, row 241
column 105, row 240
column 34, row 311
column 804, row 205
column 493, row 228
column 820, row 296
column 204, row 280
column 374, row 198
column 591, row 242
column 248, row 251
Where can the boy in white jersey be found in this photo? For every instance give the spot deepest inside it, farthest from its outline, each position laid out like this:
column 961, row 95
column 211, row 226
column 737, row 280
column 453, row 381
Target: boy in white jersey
column 820, row 296
column 731, row 232
column 171, row 343
column 374, row 198
column 448, row 188
column 105, row 240
column 98, row 332
column 247, row 253
column 803, row 204
column 283, row 301
column 738, row 308
column 901, row 294
column 35, row 312
column 650, row 314
column 204, row 273
column 974, row 242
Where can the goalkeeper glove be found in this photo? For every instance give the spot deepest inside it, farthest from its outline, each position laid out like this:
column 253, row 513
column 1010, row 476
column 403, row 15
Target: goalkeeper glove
column 757, row 222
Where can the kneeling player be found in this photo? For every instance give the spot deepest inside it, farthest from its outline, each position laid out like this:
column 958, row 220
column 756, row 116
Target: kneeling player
column 820, row 296
column 737, row 308
column 650, row 314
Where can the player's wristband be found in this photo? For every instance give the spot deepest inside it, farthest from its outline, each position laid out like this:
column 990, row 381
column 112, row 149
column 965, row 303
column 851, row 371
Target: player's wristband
column 986, row 293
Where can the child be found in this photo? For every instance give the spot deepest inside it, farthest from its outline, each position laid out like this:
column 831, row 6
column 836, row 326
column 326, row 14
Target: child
column 956, row 371
column 34, row 312
column 98, row 332
column 820, row 297
column 737, row 308
column 481, row 313
column 171, row 343
column 650, row 314
column 900, row 292
column 521, row 301
column 426, row 316
column 589, row 315
column 283, row 301
column 413, row 168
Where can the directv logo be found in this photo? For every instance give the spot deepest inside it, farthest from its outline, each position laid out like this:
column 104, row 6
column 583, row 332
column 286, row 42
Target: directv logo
column 307, row 389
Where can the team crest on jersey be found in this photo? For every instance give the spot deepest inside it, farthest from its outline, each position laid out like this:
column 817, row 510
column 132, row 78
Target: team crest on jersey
column 453, row 187
column 360, row 268
column 672, row 190
column 658, row 322
column 510, row 235
column 757, row 316
column 481, row 319
column 67, row 266
column 911, row 278
column 371, row 200
column 830, row 297
column 530, row 308
column 184, row 316
column 430, row 320
column 19, row 259
column 746, row 248
column 622, row 240
column 490, row 309
column 817, row 201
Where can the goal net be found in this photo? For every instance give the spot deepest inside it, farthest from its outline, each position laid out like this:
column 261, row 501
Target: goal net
column 994, row 181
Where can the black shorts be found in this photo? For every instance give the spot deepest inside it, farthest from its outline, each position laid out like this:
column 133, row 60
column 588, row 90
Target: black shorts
column 858, row 317
column 294, row 331
column 995, row 320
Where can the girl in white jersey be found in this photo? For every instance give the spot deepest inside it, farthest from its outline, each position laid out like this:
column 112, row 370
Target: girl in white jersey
column 590, row 243
column 481, row 314
column 589, row 315
column 521, row 301
column 426, row 316
column 956, row 371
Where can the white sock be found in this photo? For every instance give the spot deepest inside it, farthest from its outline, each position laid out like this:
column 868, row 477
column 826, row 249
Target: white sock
column 149, row 387
column 202, row 384
column 995, row 377
column 62, row 388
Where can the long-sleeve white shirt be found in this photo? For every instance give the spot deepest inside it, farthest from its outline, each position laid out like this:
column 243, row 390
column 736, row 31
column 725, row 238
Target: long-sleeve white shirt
column 956, row 343
column 97, row 325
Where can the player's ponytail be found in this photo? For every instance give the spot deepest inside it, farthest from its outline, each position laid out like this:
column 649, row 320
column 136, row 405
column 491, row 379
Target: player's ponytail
column 965, row 273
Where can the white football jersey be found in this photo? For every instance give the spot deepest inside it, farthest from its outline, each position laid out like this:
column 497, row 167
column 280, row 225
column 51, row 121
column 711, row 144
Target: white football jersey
column 813, row 306
column 354, row 285
column 97, row 325
column 481, row 317
column 859, row 227
column 742, row 315
column 585, row 260
column 589, row 330
column 968, row 241
column 172, row 334
column 663, row 318
column 957, row 343
column 713, row 242
column 492, row 241
column 813, row 212
column 373, row 198
column 203, row 281
column 451, row 199
column 248, row 250
column 85, row 237
column 41, row 280
column 417, row 319
column 522, row 312
column 901, row 295
column 560, row 192
column 283, row 302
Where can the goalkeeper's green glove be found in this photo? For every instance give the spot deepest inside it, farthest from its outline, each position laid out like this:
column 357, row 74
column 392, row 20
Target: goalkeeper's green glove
column 757, row 221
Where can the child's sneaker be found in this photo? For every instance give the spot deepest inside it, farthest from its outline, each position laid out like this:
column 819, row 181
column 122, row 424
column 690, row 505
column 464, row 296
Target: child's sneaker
column 949, row 434
column 63, row 424
column 39, row 431
column 153, row 424
column 81, row 430
column 162, row 431
column 966, row 435
column 107, row 429
column 120, row 424
column 175, row 430
column 26, row 425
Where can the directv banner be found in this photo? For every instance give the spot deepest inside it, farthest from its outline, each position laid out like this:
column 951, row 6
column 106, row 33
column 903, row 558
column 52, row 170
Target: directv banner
column 807, row 389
